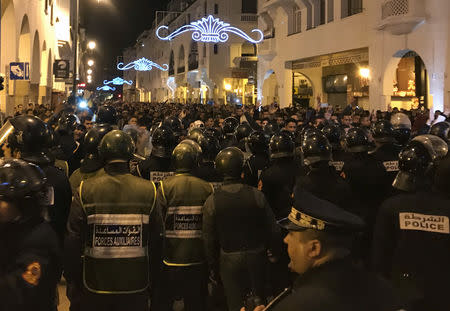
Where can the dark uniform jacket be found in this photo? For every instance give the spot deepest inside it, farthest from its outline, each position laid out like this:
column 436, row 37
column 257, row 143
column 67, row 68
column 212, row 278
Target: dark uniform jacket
column 155, row 169
column 412, row 248
column 208, row 172
column 59, row 196
column 180, row 200
column 253, row 168
column 277, row 183
column 324, row 182
column 30, row 266
column 337, row 286
column 256, row 228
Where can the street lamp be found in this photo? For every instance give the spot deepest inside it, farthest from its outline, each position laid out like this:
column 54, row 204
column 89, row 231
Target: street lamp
column 89, row 71
column 90, row 63
column 91, row 45
column 89, row 77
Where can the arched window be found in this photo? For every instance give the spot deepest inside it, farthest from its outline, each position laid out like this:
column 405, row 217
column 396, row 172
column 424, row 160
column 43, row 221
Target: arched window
column 193, row 56
column 181, row 65
column 171, row 64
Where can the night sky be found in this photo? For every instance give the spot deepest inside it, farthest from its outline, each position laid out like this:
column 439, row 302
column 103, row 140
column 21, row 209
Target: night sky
column 115, row 25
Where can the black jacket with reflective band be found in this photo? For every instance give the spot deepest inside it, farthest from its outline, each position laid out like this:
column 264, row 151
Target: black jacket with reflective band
column 118, row 212
column 182, row 210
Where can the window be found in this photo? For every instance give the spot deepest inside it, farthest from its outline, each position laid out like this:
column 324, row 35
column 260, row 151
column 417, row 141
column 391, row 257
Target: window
column 330, row 9
column 216, row 49
column 216, row 8
column 250, row 6
column 351, row 7
column 322, row 12
column 297, row 21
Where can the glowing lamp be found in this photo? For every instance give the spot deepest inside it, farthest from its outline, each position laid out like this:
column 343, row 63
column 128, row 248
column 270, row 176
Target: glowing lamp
column 89, row 71
column 209, row 29
column 82, row 104
column 228, row 87
column 90, row 63
column 91, row 45
column 364, row 73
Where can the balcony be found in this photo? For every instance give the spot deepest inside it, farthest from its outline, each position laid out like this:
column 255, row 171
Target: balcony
column 401, row 17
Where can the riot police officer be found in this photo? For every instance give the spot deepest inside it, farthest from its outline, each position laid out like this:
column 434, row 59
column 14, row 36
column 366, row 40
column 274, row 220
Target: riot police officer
column 158, row 166
column 175, row 125
column 92, row 164
column 67, row 149
column 410, row 246
column 228, row 129
column 241, row 262
column 333, row 134
column 319, row 246
column 259, row 160
column 321, row 178
column 402, row 128
column 442, row 130
column 386, row 151
column 278, row 180
column 30, row 254
column 417, row 162
column 195, row 134
column 206, row 169
column 241, row 133
column 113, row 222
column 180, row 201
column 106, row 115
column 31, row 138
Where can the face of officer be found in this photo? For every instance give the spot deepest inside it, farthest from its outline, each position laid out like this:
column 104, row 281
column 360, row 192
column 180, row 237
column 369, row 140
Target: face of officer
column 8, row 213
column 303, row 251
column 291, row 127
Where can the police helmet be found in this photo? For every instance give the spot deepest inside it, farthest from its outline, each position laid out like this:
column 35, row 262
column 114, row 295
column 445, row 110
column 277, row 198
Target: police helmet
column 163, row 142
column 107, row 114
column 186, row 156
column 174, row 124
column 133, row 131
column 229, row 162
column 417, row 159
column 281, row 146
column 271, row 129
column 402, row 127
column 195, row 134
column 24, row 184
column 383, row 132
column 333, row 134
column 67, row 123
column 356, row 140
column 92, row 161
column 315, row 148
column 214, row 132
column 28, row 134
column 243, row 131
column 258, row 143
column 229, row 126
column 116, row 145
column 210, row 147
column 442, row 130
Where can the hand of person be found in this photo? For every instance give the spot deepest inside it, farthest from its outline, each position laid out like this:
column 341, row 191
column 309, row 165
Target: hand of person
column 258, row 308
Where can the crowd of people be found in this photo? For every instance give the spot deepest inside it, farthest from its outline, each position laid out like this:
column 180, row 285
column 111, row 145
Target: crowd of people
column 143, row 206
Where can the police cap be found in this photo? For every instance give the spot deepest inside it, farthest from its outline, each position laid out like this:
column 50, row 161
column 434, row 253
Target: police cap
column 310, row 212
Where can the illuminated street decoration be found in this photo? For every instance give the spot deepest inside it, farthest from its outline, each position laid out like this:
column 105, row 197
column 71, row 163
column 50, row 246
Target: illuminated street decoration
column 142, row 64
column 118, row 81
column 210, row 29
column 106, row 88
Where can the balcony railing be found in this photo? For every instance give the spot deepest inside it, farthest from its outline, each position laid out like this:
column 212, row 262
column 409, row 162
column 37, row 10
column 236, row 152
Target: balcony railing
column 402, row 16
column 394, row 8
column 249, row 18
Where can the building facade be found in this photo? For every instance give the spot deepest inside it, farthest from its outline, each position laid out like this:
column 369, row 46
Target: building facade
column 225, row 72
column 34, row 32
column 383, row 52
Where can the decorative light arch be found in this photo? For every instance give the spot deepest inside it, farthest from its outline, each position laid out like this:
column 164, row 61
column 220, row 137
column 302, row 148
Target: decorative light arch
column 118, row 81
column 142, row 64
column 209, row 29
column 106, row 88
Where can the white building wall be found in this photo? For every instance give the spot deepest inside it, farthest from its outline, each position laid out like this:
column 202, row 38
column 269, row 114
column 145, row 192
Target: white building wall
column 430, row 40
column 39, row 46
